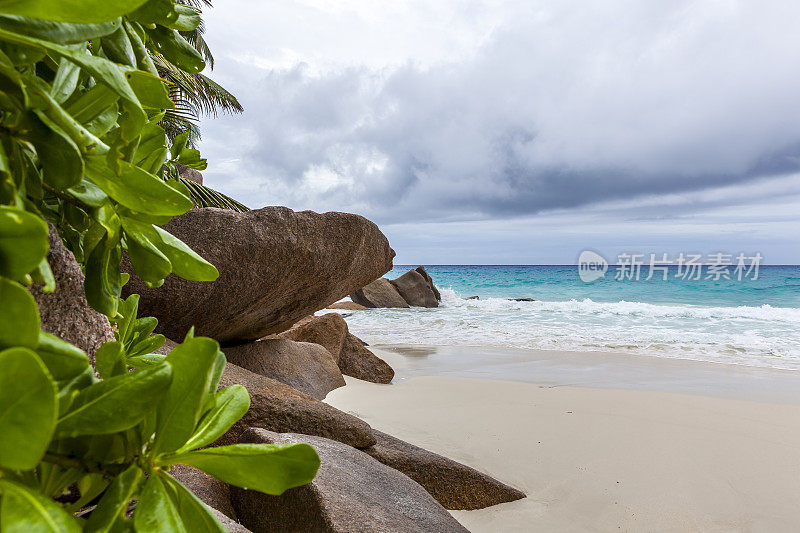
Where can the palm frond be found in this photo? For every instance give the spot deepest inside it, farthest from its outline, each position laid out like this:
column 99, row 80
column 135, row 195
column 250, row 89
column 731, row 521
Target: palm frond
column 196, row 40
column 203, row 196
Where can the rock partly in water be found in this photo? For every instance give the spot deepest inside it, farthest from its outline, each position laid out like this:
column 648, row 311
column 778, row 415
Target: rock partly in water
column 472, row 298
column 348, row 306
column 359, row 362
column 330, row 330
column 210, row 490
column 379, row 293
column 421, row 270
column 415, row 290
column 522, row 299
column 454, row 485
column 278, row 407
column 65, row 312
column 352, row 492
column 276, row 266
column 307, row 367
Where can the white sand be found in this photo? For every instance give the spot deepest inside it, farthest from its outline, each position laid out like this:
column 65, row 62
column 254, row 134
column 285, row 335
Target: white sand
column 601, row 459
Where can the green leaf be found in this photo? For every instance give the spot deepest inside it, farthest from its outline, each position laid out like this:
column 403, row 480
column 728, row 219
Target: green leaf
column 185, row 262
column 231, row 403
column 117, row 47
column 268, row 468
column 149, row 89
column 115, row 500
column 60, row 157
column 57, row 32
column 110, row 360
column 92, row 103
column 115, row 404
column 23, row 242
column 172, row 46
column 19, row 316
column 24, row 510
column 188, row 19
column 146, row 360
column 63, row 360
column 190, row 157
column 103, row 284
column 179, row 144
column 156, row 510
column 27, row 409
column 150, row 264
column 89, row 193
column 80, row 11
column 195, row 515
column 136, row 189
column 179, row 410
column 66, row 81
column 155, row 12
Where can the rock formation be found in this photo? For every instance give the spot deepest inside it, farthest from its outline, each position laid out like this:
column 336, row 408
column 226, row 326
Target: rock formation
column 276, row 266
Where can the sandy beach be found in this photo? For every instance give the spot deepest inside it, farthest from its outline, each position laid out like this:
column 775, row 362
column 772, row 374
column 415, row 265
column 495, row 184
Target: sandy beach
column 676, row 454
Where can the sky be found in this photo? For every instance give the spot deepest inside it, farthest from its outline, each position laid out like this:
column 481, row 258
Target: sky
column 518, row 132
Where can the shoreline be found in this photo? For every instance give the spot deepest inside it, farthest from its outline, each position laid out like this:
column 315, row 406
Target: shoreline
column 603, row 458
column 594, row 369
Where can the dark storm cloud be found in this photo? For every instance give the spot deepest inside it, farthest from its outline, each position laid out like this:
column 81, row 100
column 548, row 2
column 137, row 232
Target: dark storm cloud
column 560, row 108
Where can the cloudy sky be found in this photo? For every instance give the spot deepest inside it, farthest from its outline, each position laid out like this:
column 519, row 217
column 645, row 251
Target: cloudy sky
column 487, row 132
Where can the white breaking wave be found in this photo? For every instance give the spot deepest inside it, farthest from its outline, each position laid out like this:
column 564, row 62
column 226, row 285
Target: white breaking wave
column 757, row 336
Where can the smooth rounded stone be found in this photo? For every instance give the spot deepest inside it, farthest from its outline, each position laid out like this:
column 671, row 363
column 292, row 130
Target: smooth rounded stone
column 189, row 173
column 348, row 306
column 231, row 525
column 415, row 290
column 454, row 485
column 65, row 312
column 421, row 270
column 379, row 293
column 276, row 266
column 278, row 407
column 307, row 367
column 210, row 490
column 357, row 361
column 328, row 330
column 352, row 492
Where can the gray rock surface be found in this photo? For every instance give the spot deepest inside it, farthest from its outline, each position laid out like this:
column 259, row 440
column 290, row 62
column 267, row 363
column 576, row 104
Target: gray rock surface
column 276, row 266
column 278, row 407
column 415, row 290
column 307, row 367
column 359, row 362
column 379, row 293
column 352, row 492
column 65, row 312
column 454, row 485
column 421, row 270
column 211, row 491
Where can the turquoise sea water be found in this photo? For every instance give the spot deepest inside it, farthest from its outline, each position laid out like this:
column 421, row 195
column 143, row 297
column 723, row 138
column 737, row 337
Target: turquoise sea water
column 752, row 322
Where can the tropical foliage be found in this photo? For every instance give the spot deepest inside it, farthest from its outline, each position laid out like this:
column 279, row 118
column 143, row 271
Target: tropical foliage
column 82, row 148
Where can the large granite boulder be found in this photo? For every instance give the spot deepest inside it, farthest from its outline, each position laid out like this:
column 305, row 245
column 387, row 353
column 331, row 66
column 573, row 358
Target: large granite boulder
column 278, row 407
column 307, row 367
column 330, row 330
column 210, row 490
column 348, row 306
column 379, row 293
column 415, row 290
column 351, row 493
column 454, row 485
column 357, row 361
column 276, row 266
column 65, row 312
column 231, row 525
column 421, row 270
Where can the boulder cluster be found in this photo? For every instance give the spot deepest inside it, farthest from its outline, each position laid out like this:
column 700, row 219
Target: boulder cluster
column 415, row 288
column 277, row 268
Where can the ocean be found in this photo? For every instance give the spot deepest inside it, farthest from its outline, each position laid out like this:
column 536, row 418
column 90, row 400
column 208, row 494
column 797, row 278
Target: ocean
column 754, row 322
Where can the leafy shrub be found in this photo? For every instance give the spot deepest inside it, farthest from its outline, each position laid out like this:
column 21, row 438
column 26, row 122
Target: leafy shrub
column 81, row 148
